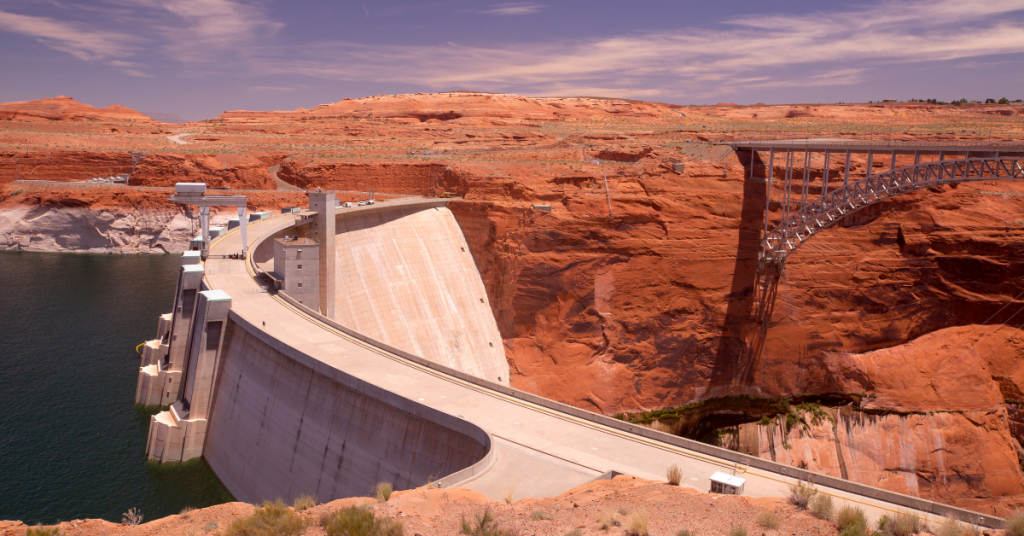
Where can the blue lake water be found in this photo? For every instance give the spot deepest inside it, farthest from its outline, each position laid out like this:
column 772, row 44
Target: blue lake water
column 72, row 443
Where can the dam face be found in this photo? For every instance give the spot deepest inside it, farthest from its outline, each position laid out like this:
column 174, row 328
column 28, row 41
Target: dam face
column 284, row 424
column 405, row 275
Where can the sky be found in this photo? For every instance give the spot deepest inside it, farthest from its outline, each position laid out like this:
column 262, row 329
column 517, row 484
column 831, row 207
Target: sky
column 197, row 58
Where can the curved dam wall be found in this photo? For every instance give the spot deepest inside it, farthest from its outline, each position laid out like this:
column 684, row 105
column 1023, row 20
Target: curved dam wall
column 282, row 424
column 405, row 275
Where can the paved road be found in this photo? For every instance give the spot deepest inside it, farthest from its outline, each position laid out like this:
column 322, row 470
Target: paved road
column 281, row 185
column 177, row 138
column 540, row 451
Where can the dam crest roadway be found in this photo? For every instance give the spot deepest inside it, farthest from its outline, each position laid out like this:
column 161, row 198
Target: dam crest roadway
column 282, row 400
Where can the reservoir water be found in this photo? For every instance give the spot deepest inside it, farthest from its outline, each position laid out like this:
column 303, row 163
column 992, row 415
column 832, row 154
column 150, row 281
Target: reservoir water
column 72, row 443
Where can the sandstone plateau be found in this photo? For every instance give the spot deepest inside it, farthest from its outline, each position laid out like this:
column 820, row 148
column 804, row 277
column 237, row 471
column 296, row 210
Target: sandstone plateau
column 903, row 321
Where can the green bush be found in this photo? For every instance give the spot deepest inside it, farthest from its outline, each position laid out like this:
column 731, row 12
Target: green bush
column 821, row 506
column 738, row 530
column 1015, row 524
column 273, row 519
column 768, row 520
column 356, row 521
column 800, row 494
column 44, row 531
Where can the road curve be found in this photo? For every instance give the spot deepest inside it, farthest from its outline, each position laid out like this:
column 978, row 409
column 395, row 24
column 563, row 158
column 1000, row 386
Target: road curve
column 540, row 450
column 177, row 138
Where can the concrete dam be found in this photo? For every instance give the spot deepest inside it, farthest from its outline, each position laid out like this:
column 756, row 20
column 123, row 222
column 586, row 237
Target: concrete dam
column 356, row 345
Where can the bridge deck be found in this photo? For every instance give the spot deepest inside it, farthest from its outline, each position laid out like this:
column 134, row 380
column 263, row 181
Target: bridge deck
column 541, row 451
column 863, row 146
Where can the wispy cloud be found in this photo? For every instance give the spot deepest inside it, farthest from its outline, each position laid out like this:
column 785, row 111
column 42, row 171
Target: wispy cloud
column 512, row 8
column 204, row 27
column 828, row 48
column 83, row 42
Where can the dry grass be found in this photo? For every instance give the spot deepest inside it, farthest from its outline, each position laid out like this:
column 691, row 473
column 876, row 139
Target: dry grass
column 509, row 495
column 356, row 521
column 273, row 519
column 304, row 501
column 821, row 506
column 383, row 490
column 800, row 494
column 607, row 520
column 638, row 523
column 738, row 530
column 674, row 475
column 186, row 511
column 131, row 517
column 903, row 524
column 1015, row 524
column 574, row 532
column 484, row 526
column 541, row 515
column 768, row 520
column 43, row 531
column 953, row 527
column 852, row 521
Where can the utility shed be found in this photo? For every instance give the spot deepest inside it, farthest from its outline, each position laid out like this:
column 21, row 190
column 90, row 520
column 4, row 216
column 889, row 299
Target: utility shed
column 297, row 269
column 727, row 484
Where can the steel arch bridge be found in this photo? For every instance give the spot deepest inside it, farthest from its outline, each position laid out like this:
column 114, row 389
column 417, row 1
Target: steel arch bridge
column 809, row 206
column 798, row 226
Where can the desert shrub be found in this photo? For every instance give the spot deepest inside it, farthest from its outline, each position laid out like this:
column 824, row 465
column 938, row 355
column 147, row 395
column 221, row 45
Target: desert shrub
column 509, row 494
column 484, row 526
column 800, row 494
column 304, row 501
column 574, row 532
column 903, row 524
column 541, row 516
column 606, row 520
column 186, row 511
column 953, row 527
column 883, row 523
column 674, row 475
column 131, row 517
column 768, row 520
column 356, row 521
column 210, row 526
column 851, row 516
column 638, row 523
column 738, row 530
column 273, row 519
column 686, row 532
column 1015, row 524
column 44, row 531
column 383, row 490
column 623, row 511
column 821, row 506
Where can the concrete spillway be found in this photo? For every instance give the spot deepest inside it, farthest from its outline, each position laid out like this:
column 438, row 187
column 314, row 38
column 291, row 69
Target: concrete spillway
column 404, row 275
column 283, row 400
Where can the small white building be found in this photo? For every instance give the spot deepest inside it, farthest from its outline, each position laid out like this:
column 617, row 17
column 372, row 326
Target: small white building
column 727, row 484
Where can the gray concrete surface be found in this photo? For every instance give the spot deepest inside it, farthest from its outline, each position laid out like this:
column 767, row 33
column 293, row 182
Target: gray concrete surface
column 545, row 441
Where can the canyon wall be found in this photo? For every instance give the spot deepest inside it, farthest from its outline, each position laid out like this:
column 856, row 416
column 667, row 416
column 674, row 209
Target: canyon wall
column 331, row 435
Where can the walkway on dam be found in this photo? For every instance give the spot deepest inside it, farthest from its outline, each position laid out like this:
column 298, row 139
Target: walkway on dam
column 539, row 451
